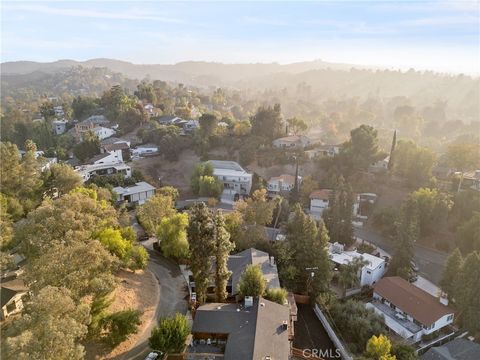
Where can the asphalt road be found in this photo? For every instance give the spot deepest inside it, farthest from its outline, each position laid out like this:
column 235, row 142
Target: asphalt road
column 429, row 261
column 173, row 290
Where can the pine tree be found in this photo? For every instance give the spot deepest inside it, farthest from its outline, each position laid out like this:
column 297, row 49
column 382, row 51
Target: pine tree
column 392, row 151
column 467, row 293
column 223, row 246
column 201, row 238
column 451, row 273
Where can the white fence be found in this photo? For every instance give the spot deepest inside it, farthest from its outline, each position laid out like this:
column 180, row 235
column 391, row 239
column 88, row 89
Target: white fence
column 336, row 341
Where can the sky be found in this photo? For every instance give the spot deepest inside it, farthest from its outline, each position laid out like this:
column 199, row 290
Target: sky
column 435, row 35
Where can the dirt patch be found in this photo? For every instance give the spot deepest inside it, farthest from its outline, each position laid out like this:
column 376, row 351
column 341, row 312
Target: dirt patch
column 138, row 291
column 163, row 172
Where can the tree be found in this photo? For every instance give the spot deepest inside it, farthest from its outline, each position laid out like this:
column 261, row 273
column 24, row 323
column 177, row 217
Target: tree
column 210, row 186
column 208, row 124
column 6, row 223
column 278, row 295
column 84, row 106
column 413, row 163
column 47, row 110
column 362, row 148
column 74, row 217
column 379, row 348
column 242, row 128
column 201, row 239
column 308, row 244
column 296, row 126
column 30, row 182
column 404, row 352
column 451, row 273
column 468, row 234
column 406, row 236
column 82, row 268
column 89, row 147
column 252, row 282
column 59, row 179
column 463, row 157
column 392, row 151
column 348, row 274
column 50, row 328
column 120, row 325
column 114, row 242
column 170, row 334
column 467, row 293
column 432, row 207
column 139, row 258
column 223, row 247
column 172, row 236
column 153, row 211
column 267, row 122
column 338, row 216
column 356, row 323
column 169, row 191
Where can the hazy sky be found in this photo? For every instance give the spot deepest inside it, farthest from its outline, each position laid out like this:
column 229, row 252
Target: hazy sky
column 436, row 35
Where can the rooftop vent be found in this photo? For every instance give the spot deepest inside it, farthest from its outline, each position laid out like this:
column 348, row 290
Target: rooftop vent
column 248, row 301
column 285, row 325
column 262, row 304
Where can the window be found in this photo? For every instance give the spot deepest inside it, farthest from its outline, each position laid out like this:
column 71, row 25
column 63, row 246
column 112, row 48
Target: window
column 450, row 317
column 369, row 272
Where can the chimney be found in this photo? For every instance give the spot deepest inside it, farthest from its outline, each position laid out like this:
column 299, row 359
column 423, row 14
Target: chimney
column 443, row 300
column 248, row 302
column 285, row 325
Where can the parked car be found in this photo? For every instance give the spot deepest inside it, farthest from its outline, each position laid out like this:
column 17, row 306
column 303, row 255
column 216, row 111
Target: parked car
column 152, row 356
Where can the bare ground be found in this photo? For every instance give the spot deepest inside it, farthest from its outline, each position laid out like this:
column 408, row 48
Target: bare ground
column 138, row 291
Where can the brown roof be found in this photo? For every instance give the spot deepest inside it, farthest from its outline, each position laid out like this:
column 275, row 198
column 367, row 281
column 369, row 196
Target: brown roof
column 286, row 178
column 323, row 194
column 417, row 303
column 117, row 146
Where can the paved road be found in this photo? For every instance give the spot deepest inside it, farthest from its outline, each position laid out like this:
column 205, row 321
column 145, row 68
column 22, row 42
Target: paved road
column 430, row 262
column 173, row 291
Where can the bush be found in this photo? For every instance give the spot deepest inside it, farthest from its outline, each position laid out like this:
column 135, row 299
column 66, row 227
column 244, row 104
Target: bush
column 120, row 325
column 170, row 334
column 139, row 258
column 277, row 295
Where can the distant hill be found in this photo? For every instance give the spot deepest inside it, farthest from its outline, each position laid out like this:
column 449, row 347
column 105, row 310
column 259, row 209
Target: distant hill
column 193, row 72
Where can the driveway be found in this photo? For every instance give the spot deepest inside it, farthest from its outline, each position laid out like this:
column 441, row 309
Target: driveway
column 173, row 291
column 430, row 262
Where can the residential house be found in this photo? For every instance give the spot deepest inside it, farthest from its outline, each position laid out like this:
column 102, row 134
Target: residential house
column 234, row 178
column 59, row 113
column 369, row 274
column 169, row 119
column 408, row 310
column 145, row 150
column 323, row 151
column 258, row 329
column 121, row 150
column 149, row 109
column 136, row 194
column 292, row 142
column 45, row 163
column 12, row 294
column 59, row 126
column 380, row 165
column 319, row 200
column 87, row 171
column 363, row 205
column 457, row 349
column 282, row 184
column 97, row 125
column 190, row 125
column 471, row 180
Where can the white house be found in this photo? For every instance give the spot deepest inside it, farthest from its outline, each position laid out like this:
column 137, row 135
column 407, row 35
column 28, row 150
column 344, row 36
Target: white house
column 323, row 151
column 408, row 310
column 282, row 184
column 380, row 165
column 319, row 200
column 234, row 178
column 292, row 142
column 370, row 273
column 144, row 150
column 59, row 126
column 103, row 132
column 12, row 292
column 112, row 157
column 87, row 171
column 190, row 125
column 59, row 111
column 136, row 194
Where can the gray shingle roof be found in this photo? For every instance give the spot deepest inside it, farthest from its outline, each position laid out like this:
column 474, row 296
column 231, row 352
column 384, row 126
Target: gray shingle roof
column 458, row 349
column 253, row 333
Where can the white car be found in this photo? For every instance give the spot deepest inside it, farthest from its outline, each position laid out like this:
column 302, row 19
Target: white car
column 152, row 356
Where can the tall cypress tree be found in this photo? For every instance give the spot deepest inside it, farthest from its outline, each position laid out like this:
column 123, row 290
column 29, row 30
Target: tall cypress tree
column 201, row 239
column 223, row 246
column 451, row 273
column 392, row 150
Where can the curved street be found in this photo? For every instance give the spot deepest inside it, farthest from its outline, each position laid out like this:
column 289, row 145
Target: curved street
column 431, row 262
column 173, row 292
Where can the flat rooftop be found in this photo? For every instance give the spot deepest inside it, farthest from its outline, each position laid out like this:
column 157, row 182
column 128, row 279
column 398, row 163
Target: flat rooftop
column 222, row 167
column 139, row 187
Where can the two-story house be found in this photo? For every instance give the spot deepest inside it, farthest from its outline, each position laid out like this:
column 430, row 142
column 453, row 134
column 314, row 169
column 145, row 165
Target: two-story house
column 234, row 178
column 282, row 184
column 408, row 310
